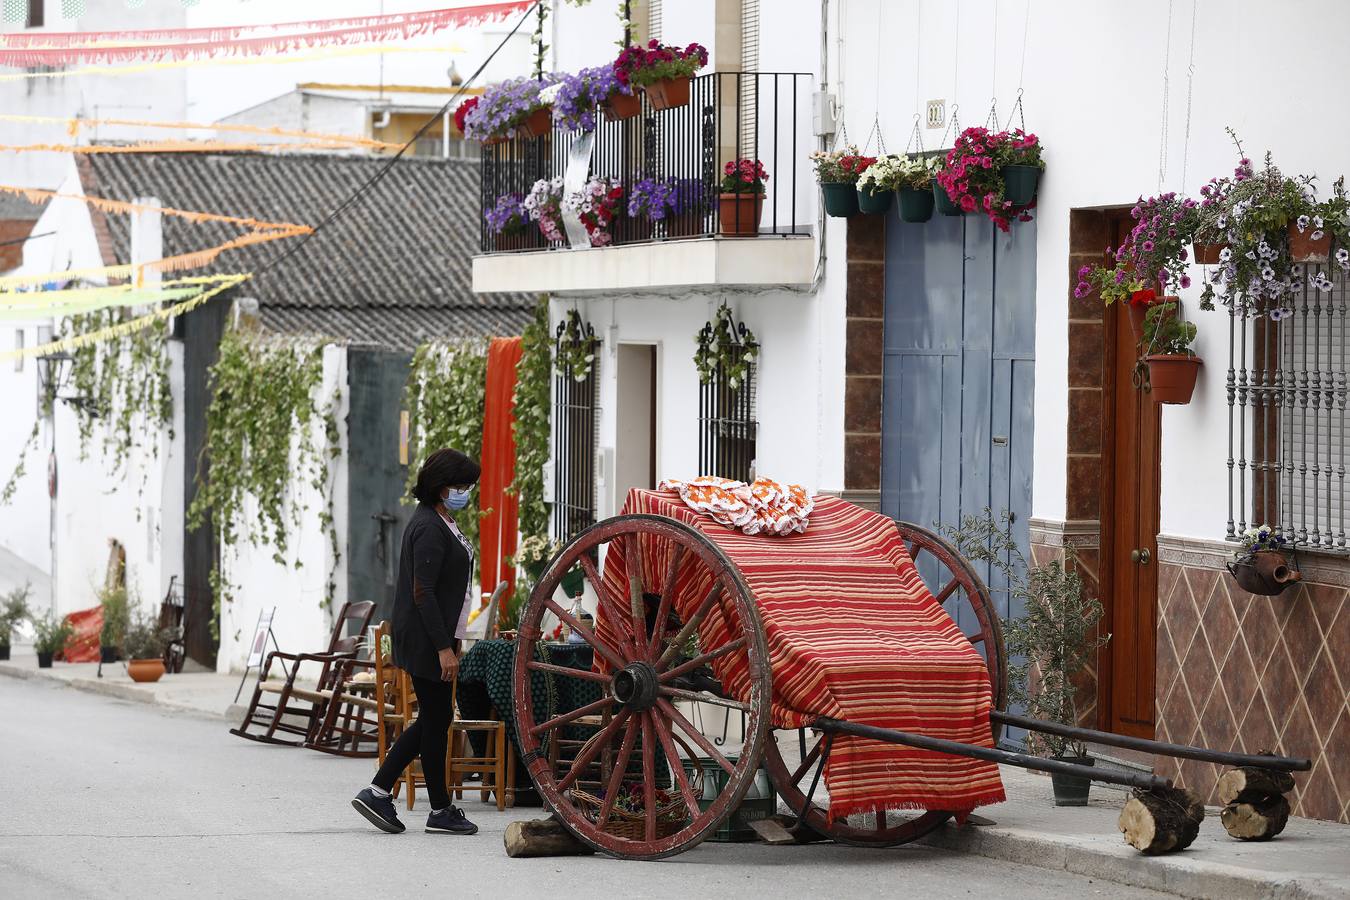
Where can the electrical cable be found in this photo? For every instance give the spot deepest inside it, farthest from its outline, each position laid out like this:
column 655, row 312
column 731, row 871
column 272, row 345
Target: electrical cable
column 1190, row 87
column 1162, row 137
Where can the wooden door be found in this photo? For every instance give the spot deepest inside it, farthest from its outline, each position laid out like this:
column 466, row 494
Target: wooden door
column 1129, row 574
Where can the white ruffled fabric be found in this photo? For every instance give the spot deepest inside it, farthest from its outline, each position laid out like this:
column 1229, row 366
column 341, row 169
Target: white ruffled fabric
column 764, row 507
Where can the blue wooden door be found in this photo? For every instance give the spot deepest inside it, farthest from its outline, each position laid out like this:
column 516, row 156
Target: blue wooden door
column 959, row 367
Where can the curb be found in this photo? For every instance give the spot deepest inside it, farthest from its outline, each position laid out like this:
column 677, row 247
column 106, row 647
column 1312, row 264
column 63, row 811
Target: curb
column 108, row 689
column 1180, row 875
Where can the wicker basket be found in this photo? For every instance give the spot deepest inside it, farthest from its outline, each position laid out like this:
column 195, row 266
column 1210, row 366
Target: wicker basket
column 670, row 818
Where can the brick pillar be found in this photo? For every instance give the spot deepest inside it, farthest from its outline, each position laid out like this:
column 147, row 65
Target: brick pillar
column 865, row 293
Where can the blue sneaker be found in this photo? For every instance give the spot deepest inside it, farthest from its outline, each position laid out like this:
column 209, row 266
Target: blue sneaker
column 378, row 810
column 450, row 821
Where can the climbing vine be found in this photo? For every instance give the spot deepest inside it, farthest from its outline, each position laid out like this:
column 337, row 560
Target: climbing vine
column 260, row 442
column 577, row 344
column 530, row 408
column 724, row 344
column 444, row 395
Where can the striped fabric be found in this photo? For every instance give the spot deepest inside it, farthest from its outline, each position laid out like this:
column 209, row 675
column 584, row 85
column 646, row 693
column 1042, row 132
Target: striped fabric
column 853, row 634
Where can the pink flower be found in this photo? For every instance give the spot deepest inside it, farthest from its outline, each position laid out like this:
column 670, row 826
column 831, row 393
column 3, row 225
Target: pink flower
column 968, row 203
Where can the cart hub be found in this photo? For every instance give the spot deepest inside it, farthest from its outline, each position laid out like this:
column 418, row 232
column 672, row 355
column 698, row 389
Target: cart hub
column 635, row 686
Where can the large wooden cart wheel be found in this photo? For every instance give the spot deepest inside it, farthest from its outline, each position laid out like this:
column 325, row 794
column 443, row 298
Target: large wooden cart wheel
column 639, row 678
column 952, row 580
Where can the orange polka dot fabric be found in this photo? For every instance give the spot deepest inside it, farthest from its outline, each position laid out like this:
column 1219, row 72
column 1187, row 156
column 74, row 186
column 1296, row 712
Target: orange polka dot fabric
column 764, row 507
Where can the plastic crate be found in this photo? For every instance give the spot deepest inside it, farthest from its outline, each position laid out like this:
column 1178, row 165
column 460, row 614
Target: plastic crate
column 760, row 801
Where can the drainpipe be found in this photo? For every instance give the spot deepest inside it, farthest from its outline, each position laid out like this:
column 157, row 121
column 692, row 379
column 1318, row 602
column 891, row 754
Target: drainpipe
column 383, row 121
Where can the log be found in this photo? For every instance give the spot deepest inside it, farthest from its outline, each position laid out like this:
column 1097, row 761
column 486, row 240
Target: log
column 542, row 837
column 1258, row 820
column 1252, row 783
column 1163, row 820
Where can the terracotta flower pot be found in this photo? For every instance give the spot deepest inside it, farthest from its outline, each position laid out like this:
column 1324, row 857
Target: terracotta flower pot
column 739, row 213
column 668, row 93
column 1207, row 254
column 1172, row 378
column 145, row 669
column 1267, row 573
column 495, row 139
column 537, row 123
column 622, row 106
column 1137, row 312
column 1304, row 249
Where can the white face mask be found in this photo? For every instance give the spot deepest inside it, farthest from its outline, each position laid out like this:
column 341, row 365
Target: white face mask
column 455, row 499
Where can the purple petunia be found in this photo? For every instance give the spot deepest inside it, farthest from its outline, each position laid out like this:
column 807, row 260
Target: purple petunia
column 508, row 215
column 580, row 94
column 504, row 107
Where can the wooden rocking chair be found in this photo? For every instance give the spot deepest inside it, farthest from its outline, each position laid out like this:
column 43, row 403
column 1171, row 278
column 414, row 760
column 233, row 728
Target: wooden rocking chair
column 297, row 709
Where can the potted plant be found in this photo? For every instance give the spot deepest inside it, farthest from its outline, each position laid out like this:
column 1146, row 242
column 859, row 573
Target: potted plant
column 543, row 204
column 742, row 198
column 13, row 611
column 663, row 72
column 508, row 221
column 942, row 201
column 1117, row 284
column 1263, row 566
column 1052, row 642
column 972, row 173
column 623, row 102
column 837, row 172
column 1211, row 238
column 512, row 108
column 143, row 647
column 1311, row 232
column 1021, row 165
column 1172, row 366
column 51, row 636
column 650, row 201
column 114, row 604
column 577, row 97
column 596, row 204
column 461, row 113
column 878, row 183
column 916, row 188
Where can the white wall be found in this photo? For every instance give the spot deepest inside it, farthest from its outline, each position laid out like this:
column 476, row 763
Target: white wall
column 302, row 621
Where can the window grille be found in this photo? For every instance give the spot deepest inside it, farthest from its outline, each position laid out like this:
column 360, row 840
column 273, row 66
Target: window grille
column 655, row 19
column 1287, row 416
column 749, row 84
column 726, row 402
column 575, row 419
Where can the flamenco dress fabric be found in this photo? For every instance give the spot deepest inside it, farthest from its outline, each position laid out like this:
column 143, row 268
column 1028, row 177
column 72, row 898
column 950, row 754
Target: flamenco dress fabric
column 853, row 633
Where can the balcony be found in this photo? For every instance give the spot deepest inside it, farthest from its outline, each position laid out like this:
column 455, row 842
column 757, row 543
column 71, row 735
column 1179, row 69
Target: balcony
column 730, row 115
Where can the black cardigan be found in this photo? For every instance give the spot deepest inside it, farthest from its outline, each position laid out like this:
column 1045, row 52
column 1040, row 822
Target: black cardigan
column 433, row 576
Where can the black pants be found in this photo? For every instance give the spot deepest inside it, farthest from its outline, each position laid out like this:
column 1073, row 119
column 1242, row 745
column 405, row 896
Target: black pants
column 426, row 738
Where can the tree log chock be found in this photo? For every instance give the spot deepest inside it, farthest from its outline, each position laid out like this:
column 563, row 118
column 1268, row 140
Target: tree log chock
column 1258, row 820
column 1250, row 783
column 1161, row 821
column 542, row 837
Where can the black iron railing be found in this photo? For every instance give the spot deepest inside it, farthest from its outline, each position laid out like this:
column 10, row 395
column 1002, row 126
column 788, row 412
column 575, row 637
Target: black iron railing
column 575, row 419
column 1288, row 426
column 758, row 115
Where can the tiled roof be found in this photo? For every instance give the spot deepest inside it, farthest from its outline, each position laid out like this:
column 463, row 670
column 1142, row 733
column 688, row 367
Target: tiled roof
column 394, row 269
column 19, row 208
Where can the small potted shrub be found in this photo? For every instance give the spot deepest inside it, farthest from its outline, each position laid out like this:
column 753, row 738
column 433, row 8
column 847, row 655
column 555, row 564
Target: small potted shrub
column 662, row 72
column 878, row 183
column 143, row 647
column 512, row 108
column 543, row 204
column 578, row 96
column 838, row 172
column 508, row 221
column 916, row 188
column 741, row 201
column 1263, row 565
column 972, row 174
column 114, row 604
column 650, row 201
column 13, row 610
column 1172, row 366
column 51, row 636
column 596, row 204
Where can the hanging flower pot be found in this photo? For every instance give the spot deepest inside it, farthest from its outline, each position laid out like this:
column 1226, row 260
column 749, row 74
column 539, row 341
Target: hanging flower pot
column 1138, row 305
column 1207, row 254
column 495, row 139
column 1303, row 248
column 1265, row 572
column 841, row 199
column 944, row 203
column 1019, row 184
column 874, row 202
column 622, row 106
column 1172, row 378
column 537, row 123
column 739, row 213
column 915, row 205
column 669, row 93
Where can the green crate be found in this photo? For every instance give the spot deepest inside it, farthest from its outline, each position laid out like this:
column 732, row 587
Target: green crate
column 759, row 802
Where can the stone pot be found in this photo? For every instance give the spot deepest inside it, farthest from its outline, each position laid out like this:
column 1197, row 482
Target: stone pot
column 875, row 202
column 669, row 93
column 145, row 670
column 1267, row 573
column 841, row 199
column 1071, row 790
column 739, row 213
column 944, row 204
column 1019, row 184
column 1303, row 249
column 1172, row 378
column 1207, row 254
column 915, row 205
column 622, row 106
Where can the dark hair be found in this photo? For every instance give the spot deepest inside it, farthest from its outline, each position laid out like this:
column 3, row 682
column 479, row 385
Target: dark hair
column 443, row 468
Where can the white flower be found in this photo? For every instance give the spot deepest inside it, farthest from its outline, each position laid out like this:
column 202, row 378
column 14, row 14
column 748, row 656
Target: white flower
column 1264, row 250
column 1225, row 255
column 1276, row 314
column 550, row 93
column 1302, row 224
column 1251, row 254
column 1267, row 273
column 1317, row 235
column 1317, row 221
column 1222, row 222
column 1296, row 270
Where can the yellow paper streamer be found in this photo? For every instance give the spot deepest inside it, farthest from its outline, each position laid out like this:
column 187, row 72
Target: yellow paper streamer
column 180, row 146
column 69, row 344
column 73, row 127
column 96, row 291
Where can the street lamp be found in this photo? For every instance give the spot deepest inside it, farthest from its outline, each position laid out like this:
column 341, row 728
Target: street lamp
column 53, row 371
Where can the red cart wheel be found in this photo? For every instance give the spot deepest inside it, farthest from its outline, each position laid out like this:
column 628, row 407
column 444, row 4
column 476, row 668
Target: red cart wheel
column 955, row 578
column 640, row 679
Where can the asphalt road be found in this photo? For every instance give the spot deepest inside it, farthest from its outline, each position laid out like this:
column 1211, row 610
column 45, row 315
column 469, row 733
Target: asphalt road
column 106, row 798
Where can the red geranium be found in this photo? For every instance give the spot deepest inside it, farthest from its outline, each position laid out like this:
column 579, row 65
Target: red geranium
column 1146, row 297
column 463, row 111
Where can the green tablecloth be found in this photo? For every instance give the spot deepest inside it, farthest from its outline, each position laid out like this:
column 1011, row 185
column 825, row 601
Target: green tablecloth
column 491, row 665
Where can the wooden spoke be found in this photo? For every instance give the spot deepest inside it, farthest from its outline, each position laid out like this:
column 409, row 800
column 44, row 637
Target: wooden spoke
column 811, row 757
column 702, row 698
column 676, row 766
column 610, row 654
column 947, row 591
column 592, row 749
column 637, row 606
column 676, row 645
column 667, row 599
column 583, row 674
column 649, row 777
column 611, row 614
column 595, row 707
column 693, row 733
column 617, row 774
column 697, row 661
column 977, row 638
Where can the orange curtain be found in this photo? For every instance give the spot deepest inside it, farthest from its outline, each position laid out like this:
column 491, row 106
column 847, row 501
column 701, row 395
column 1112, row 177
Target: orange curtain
column 497, row 531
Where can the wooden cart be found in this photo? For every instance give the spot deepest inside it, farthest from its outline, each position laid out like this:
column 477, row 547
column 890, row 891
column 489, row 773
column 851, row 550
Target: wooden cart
column 639, row 724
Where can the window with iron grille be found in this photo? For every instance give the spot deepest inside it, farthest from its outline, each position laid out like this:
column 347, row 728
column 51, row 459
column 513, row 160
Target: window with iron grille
column 1288, row 391
column 726, row 356
column 575, row 418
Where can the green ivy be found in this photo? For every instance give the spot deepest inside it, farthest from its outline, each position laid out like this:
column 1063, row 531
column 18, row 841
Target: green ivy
column 530, row 409
column 445, row 394
column 262, row 409
column 723, row 344
column 576, row 349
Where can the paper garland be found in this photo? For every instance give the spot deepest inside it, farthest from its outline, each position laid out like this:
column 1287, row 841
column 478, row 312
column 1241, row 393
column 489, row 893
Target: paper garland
column 61, row 48
column 121, row 329
column 179, row 146
column 74, row 125
column 12, row 309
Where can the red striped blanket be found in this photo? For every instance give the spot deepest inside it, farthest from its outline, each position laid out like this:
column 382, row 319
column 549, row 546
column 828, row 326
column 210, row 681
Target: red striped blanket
column 854, row 634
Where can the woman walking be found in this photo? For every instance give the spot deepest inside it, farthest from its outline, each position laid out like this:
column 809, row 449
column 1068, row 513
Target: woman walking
column 431, row 609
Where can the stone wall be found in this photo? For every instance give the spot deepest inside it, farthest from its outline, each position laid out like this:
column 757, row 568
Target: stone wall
column 865, row 311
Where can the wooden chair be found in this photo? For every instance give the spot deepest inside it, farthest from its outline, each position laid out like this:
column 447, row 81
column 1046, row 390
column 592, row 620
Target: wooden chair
column 297, row 708
column 350, row 722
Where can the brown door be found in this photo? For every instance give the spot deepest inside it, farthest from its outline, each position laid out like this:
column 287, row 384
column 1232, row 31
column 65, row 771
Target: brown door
column 1129, row 533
